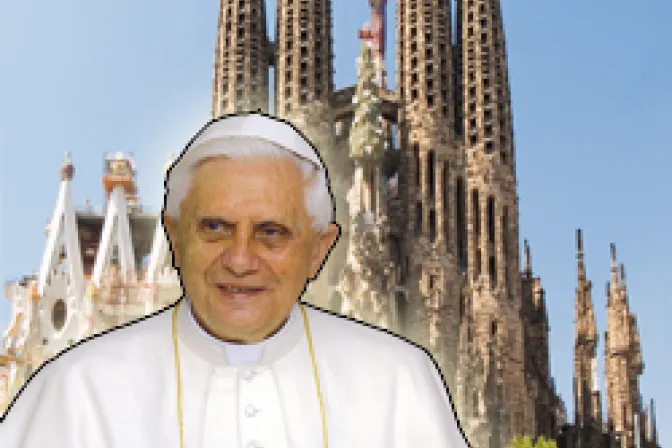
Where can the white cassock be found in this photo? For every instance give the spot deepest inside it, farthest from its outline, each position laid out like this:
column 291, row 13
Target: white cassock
column 119, row 390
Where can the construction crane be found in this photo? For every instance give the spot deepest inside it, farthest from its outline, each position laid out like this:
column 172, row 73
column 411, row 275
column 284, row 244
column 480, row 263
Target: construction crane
column 375, row 34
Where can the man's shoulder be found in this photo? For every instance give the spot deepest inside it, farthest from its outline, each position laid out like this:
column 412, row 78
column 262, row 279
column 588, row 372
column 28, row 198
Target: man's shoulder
column 125, row 343
column 350, row 338
column 99, row 359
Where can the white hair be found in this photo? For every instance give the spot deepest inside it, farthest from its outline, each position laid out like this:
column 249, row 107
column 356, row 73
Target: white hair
column 318, row 200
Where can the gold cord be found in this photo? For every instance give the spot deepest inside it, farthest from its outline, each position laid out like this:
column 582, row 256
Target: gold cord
column 323, row 413
column 316, row 376
column 178, row 375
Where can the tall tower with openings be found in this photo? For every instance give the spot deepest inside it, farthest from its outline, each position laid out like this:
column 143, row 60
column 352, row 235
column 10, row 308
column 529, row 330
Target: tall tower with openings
column 492, row 220
column 430, row 167
column 303, row 59
column 304, row 87
column 241, row 58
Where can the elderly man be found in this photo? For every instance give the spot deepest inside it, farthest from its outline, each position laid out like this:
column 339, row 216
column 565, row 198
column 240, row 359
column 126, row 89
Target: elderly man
column 240, row 361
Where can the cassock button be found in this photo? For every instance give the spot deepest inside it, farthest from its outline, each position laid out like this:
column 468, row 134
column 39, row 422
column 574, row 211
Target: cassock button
column 250, row 410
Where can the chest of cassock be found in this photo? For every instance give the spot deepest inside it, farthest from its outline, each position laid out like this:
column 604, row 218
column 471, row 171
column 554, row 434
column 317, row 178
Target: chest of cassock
column 120, row 391
column 277, row 406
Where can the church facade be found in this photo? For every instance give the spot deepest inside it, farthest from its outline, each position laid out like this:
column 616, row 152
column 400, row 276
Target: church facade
column 424, row 179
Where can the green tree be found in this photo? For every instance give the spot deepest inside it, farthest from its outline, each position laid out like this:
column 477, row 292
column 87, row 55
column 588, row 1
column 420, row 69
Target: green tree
column 526, row 442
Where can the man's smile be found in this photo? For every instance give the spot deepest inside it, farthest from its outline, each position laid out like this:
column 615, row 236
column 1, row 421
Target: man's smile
column 238, row 291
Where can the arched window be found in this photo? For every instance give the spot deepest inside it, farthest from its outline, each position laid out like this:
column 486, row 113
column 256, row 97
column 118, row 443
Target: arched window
column 432, row 225
column 402, row 311
column 506, row 251
column 475, row 212
column 416, row 162
column 418, row 218
column 59, row 314
column 430, row 174
column 492, row 270
column 463, row 307
column 446, row 191
column 491, row 219
column 461, row 214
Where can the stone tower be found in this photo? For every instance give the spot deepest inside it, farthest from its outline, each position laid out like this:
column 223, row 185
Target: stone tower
column 242, row 58
column 303, row 90
column 539, row 382
column 587, row 402
column 492, row 222
column 431, row 166
column 623, row 359
column 303, row 62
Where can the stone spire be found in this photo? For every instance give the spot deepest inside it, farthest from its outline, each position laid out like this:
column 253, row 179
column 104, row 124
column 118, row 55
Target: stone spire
column 528, row 260
column 493, row 253
column 486, row 102
column 623, row 285
column 488, row 140
column 63, row 243
column 242, row 56
column 623, row 360
column 654, row 427
column 67, row 169
column 304, row 88
column 424, row 59
column 587, row 406
column 614, row 286
column 303, row 56
column 579, row 256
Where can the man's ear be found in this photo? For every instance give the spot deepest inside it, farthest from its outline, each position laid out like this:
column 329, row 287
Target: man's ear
column 325, row 242
column 171, row 227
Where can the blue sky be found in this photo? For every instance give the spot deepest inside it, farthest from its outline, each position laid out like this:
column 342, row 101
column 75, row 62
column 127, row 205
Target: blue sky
column 591, row 96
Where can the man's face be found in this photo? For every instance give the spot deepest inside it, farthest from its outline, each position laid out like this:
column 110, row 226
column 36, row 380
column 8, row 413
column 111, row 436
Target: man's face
column 244, row 245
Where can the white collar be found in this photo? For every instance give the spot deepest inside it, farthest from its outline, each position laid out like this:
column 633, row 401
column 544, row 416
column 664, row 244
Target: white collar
column 218, row 352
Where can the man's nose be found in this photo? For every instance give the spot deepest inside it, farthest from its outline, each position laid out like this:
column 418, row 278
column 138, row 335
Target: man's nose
column 239, row 256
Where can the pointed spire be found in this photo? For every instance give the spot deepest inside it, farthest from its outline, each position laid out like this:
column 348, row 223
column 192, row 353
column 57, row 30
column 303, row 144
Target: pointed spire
column 579, row 241
column 654, row 427
column 585, row 313
column 528, row 259
column 622, row 280
column 67, row 170
column 614, row 268
column 540, row 303
column 63, row 237
column 234, row 90
column 579, row 255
